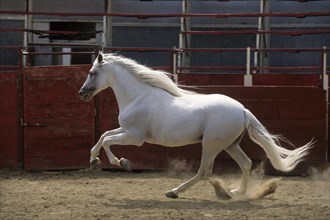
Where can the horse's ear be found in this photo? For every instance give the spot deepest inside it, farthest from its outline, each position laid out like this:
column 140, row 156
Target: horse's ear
column 100, row 58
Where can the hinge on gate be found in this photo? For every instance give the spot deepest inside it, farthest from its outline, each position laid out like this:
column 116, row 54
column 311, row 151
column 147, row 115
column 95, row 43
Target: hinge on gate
column 36, row 124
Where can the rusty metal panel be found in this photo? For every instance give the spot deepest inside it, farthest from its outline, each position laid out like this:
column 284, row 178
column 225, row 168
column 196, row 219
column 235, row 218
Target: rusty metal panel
column 287, row 79
column 58, row 126
column 298, row 113
column 9, row 156
column 211, row 79
column 60, row 129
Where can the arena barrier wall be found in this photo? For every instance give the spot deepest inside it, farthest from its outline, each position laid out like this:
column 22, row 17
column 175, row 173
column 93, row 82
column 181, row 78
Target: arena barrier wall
column 57, row 130
column 9, row 130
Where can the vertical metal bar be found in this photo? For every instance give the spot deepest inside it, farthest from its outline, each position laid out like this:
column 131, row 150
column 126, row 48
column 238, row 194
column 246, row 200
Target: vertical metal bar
column 248, row 61
column 257, row 52
column 110, row 25
column 174, row 66
column 326, row 88
column 97, row 119
column 266, row 37
column 26, row 22
column 104, row 40
column 66, row 58
column 248, row 76
column 184, row 39
column 261, row 58
column 20, row 109
column 107, row 25
column 182, row 29
column 27, row 26
column 181, row 38
column 324, row 70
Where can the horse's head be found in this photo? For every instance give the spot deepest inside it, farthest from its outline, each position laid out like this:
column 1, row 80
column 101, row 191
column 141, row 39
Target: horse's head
column 96, row 80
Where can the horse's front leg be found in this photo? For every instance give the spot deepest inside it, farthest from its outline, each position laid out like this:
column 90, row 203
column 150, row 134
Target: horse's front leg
column 122, row 138
column 95, row 151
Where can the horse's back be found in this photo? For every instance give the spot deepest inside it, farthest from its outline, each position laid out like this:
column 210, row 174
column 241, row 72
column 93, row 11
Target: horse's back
column 215, row 103
column 222, row 101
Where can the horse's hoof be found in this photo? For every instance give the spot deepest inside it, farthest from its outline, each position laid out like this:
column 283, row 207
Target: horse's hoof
column 235, row 193
column 171, row 195
column 125, row 164
column 219, row 188
column 95, row 163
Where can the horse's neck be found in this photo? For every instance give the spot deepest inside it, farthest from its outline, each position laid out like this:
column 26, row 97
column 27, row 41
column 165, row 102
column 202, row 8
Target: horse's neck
column 128, row 88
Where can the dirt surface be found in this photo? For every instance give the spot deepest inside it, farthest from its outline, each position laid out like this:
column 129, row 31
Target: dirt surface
column 124, row 195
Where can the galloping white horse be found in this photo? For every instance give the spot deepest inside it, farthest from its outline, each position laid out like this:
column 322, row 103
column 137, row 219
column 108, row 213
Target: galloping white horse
column 154, row 109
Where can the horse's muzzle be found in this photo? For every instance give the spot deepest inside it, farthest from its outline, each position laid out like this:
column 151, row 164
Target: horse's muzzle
column 85, row 94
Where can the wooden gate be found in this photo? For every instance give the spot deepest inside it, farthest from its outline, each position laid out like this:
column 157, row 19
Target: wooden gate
column 58, row 127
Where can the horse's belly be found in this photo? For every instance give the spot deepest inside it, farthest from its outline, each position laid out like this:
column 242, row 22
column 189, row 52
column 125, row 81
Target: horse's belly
column 174, row 141
column 177, row 132
column 214, row 117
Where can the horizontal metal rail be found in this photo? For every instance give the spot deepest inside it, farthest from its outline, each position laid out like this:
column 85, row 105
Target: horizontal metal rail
column 62, row 45
column 212, row 68
column 165, row 15
column 57, row 53
column 313, row 69
column 40, row 32
column 164, row 49
column 293, row 68
column 220, row 50
column 139, row 49
column 292, row 33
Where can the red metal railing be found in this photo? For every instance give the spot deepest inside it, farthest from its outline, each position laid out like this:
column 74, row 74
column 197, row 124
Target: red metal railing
column 164, row 15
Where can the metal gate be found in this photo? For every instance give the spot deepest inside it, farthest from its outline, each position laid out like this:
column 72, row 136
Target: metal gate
column 58, row 128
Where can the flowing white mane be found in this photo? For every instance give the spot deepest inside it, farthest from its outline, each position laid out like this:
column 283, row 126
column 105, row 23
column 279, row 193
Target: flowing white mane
column 156, row 78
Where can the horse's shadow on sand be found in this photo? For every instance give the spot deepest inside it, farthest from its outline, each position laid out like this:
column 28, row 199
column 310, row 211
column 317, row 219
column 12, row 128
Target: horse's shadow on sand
column 192, row 204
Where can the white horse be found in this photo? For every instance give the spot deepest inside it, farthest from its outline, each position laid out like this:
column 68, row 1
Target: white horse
column 155, row 110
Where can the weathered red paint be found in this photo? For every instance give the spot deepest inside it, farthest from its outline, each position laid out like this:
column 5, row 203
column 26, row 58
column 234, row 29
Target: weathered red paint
column 294, row 106
column 298, row 113
column 8, row 120
column 67, row 124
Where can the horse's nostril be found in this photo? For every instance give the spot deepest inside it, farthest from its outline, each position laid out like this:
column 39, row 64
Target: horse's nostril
column 80, row 92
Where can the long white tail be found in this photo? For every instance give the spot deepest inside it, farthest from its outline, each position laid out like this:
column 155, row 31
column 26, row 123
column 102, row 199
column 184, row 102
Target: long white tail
column 281, row 158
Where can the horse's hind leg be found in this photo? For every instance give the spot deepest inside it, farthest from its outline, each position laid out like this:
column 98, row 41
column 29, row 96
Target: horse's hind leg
column 209, row 170
column 206, row 162
column 244, row 163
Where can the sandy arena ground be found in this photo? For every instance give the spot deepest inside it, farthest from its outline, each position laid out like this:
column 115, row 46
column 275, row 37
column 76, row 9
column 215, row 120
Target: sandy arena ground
column 140, row 195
